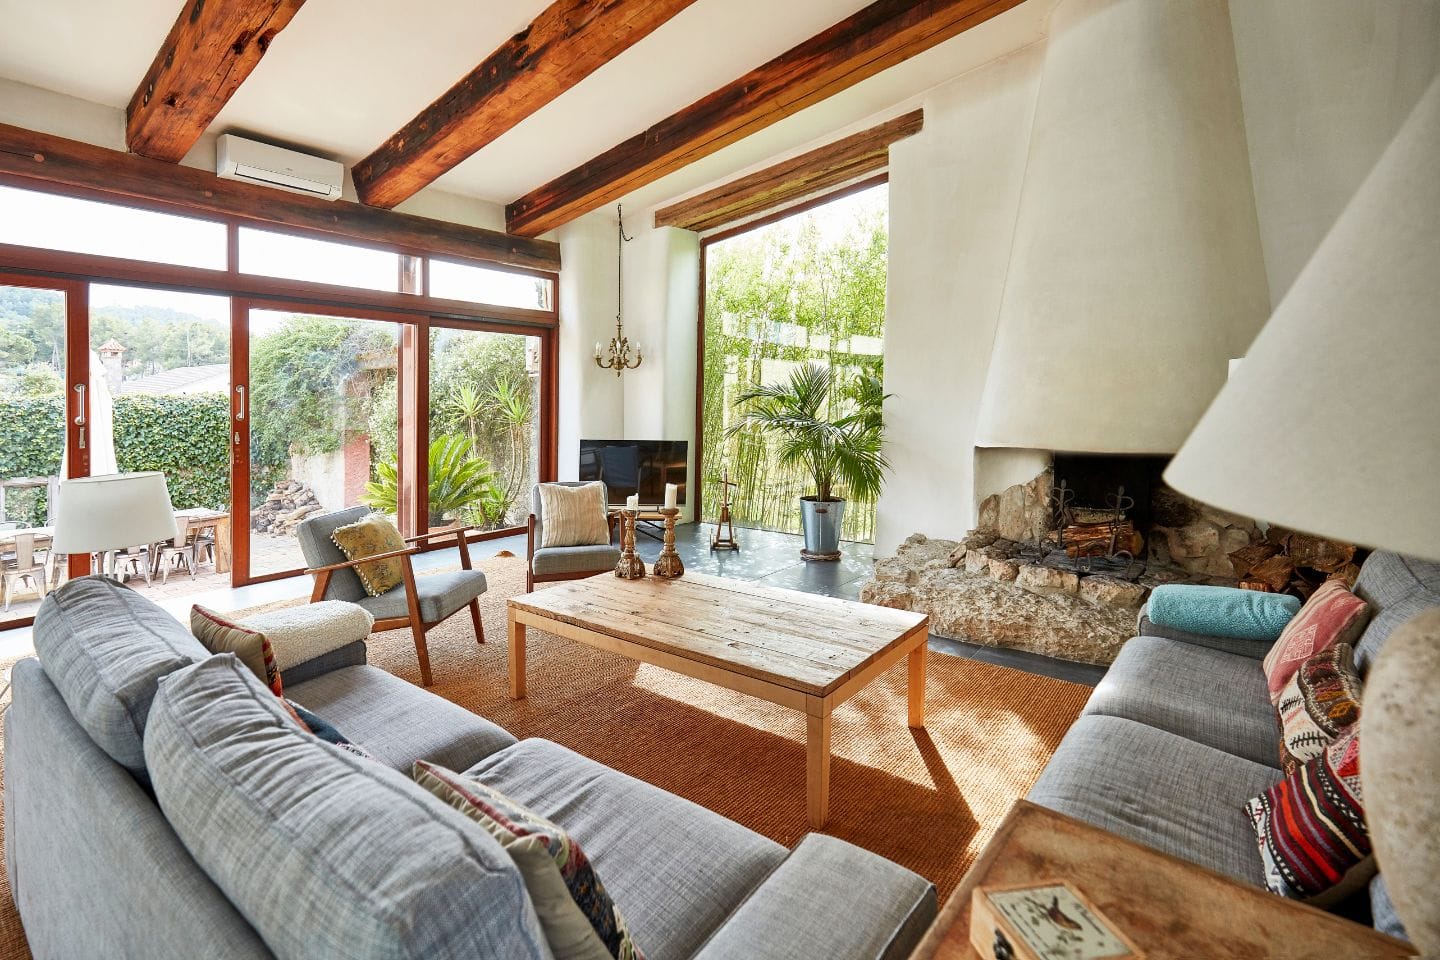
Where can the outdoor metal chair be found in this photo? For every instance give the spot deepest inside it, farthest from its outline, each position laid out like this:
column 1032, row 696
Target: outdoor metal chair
column 419, row 602
column 26, row 564
column 185, row 548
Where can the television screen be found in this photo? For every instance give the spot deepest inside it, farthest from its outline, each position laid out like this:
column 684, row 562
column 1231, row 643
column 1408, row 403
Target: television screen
column 635, row 467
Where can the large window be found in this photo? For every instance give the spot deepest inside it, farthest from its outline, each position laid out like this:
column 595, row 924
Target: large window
column 270, row 254
column 806, row 289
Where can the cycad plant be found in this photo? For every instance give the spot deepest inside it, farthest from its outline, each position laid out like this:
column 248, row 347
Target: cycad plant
column 459, row 480
column 830, row 425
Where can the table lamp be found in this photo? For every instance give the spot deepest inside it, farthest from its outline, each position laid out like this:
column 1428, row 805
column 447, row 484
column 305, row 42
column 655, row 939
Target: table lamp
column 112, row 512
column 1332, row 426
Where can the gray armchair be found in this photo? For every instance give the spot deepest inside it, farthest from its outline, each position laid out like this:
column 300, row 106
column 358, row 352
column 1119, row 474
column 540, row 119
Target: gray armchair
column 547, row 564
column 420, row 602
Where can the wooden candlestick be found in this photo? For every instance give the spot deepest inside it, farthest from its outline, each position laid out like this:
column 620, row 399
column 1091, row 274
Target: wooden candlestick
column 630, row 567
column 668, row 564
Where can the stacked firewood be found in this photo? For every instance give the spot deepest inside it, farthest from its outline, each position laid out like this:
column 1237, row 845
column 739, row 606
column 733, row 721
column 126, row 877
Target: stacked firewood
column 289, row 503
column 1295, row 563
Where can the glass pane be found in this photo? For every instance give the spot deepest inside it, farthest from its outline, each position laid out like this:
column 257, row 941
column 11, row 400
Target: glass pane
column 47, row 220
column 464, row 281
column 267, row 254
column 808, row 289
column 323, row 413
column 160, row 400
column 32, row 441
column 484, row 427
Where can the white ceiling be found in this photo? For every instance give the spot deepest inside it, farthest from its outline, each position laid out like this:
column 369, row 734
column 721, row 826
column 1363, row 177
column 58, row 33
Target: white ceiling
column 345, row 74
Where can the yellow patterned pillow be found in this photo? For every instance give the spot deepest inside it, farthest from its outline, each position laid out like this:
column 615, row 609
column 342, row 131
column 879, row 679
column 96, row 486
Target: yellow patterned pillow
column 370, row 537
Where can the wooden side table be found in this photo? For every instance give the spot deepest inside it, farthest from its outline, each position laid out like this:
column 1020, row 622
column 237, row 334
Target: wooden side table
column 1167, row 906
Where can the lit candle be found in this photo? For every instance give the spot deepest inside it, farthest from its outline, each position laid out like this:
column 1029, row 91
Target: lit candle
column 597, row 349
column 672, row 492
column 632, row 502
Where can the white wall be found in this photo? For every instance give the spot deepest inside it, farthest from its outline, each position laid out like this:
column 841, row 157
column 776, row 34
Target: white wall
column 1325, row 85
column 954, row 192
column 592, row 401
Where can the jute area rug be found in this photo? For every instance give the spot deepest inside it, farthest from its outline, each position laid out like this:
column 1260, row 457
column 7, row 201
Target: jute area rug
column 927, row 799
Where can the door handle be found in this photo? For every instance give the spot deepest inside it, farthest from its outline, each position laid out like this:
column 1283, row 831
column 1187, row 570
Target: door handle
column 80, row 415
column 241, row 408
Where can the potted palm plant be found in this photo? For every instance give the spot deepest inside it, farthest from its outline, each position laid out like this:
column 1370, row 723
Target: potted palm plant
column 833, row 427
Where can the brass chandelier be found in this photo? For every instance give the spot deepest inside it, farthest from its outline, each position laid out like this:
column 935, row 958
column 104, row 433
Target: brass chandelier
column 619, row 356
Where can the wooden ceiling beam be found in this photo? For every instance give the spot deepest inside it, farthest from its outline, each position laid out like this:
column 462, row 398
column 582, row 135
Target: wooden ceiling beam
column 844, row 161
column 50, row 159
column 881, row 35
column 208, row 53
column 569, row 41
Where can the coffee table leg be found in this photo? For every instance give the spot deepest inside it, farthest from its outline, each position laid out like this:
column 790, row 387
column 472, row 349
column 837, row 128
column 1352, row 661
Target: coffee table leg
column 516, row 631
column 917, row 685
column 817, row 769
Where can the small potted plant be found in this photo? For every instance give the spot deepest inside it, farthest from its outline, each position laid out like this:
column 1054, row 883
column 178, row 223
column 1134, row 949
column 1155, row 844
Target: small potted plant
column 833, row 426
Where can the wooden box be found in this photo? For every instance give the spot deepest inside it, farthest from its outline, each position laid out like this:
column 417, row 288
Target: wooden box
column 1043, row 920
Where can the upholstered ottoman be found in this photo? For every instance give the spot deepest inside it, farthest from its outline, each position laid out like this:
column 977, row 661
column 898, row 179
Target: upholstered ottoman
column 298, row 634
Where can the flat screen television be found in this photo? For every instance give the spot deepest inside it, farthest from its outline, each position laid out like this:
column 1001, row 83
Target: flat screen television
column 635, row 467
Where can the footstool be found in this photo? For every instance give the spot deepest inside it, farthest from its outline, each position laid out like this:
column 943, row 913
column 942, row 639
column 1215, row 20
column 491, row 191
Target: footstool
column 298, row 634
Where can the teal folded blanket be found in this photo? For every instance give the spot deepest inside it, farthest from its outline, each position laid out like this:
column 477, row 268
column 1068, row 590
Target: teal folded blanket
column 1222, row 611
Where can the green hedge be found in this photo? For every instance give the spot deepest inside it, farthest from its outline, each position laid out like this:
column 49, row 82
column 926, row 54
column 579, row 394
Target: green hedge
column 186, row 436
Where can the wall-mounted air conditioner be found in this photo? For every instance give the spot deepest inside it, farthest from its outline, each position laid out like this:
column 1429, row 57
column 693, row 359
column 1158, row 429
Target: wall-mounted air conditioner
column 240, row 159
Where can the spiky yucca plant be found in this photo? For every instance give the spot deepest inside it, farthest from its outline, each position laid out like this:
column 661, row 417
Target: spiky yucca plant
column 458, row 479
column 832, row 426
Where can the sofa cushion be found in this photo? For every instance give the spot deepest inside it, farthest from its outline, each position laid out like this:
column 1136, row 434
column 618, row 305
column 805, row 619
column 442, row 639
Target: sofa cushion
column 577, row 914
column 324, row 853
column 1214, row 698
column 397, row 722
column 105, row 647
column 1397, row 588
column 871, row 908
column 1180, row 797
column 675, row 869
column 441, row 594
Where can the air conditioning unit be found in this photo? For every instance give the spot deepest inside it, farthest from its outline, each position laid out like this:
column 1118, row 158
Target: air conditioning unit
column 239, row 159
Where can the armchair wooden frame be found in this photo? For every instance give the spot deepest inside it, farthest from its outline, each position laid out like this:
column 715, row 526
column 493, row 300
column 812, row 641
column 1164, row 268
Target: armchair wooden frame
column 418, row 627
column 531, row 578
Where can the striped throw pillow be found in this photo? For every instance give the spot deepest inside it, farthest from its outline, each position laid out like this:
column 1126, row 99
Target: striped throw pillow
column 218, row 634
column 580, row 920
column 573, row 516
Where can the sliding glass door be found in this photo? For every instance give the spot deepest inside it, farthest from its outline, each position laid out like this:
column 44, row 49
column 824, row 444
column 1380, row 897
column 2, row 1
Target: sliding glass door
column 43, row 435
column 321, row 407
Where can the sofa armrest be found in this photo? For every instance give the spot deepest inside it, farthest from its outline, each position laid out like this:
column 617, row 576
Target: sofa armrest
column 1254, row 649
column 828, row 899
column 350, row 655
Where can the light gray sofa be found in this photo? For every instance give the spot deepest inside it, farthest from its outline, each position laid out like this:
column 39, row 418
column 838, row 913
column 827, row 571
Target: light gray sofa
column 1181, row 733
column 159, row 804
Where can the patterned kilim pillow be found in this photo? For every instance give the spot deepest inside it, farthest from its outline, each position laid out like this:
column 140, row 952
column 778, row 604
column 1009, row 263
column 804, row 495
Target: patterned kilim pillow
column 1319, row 703
column 1311, row 827
column 1332, row 615
column 371, row 537
column 580, row 920
column 221, row 635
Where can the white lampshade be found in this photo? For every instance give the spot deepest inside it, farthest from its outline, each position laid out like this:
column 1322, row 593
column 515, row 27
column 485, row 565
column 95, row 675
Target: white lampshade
column 112, row 512
column 1332, row 423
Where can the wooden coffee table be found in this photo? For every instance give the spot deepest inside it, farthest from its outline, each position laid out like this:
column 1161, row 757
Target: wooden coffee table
column 797, row 650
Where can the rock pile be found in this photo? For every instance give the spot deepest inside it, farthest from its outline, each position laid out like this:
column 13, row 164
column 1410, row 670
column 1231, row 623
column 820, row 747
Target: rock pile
column 289, row 503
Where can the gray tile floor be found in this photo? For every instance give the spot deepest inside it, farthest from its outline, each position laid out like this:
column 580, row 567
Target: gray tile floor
column 765, row 557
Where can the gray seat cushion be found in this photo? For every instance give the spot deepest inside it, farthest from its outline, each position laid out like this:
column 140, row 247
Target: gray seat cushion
column 325, row 853
column 675, row 869
column 1254, row 649
column 1215, row 698
column 319, row 550
column 1156, row 788
column 397, row 722
column 441, row 594
column 105, row 647
column 592, row 559
column 1397, row 588
column 869, row 908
